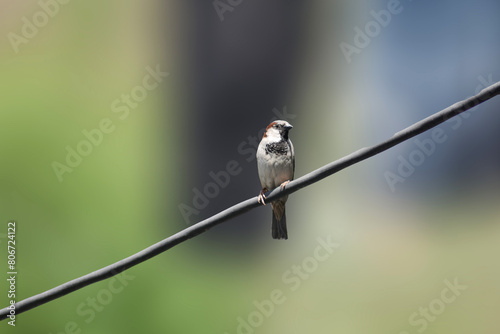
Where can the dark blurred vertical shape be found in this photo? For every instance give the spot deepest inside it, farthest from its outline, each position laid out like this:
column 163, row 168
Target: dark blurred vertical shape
column 239, row 69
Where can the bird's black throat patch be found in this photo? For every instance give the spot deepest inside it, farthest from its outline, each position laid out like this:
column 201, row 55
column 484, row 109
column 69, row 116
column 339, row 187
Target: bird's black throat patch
column 279, row 148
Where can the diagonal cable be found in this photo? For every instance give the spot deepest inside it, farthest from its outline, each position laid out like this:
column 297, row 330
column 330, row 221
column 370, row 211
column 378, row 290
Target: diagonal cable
column 252, row 203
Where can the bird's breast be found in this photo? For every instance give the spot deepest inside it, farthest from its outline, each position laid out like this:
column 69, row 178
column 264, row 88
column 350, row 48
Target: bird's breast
column 275, row 164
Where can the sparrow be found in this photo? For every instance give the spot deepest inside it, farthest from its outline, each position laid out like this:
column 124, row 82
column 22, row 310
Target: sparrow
column 276, row 166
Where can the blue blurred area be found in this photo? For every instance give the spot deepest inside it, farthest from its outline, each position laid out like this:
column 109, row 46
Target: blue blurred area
column 430, row 56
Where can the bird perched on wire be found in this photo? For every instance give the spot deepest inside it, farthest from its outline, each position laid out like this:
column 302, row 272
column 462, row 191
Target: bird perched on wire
column 276, row 166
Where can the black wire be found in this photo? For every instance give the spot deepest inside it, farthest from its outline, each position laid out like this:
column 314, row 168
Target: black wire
column 252, row 203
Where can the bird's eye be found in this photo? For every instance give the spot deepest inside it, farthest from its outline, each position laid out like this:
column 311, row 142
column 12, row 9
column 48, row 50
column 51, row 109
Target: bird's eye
column 275, row 126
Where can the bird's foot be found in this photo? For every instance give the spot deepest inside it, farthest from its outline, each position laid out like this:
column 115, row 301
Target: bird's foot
column 262, row 197
column 283, row 185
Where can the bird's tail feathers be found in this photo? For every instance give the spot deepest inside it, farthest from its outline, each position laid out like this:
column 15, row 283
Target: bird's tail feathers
column 279, row 221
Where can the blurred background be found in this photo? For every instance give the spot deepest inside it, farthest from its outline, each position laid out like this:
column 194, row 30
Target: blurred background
column 123, row 122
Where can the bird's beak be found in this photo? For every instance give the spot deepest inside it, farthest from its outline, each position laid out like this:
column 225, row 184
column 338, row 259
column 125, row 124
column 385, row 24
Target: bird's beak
column 288, row 127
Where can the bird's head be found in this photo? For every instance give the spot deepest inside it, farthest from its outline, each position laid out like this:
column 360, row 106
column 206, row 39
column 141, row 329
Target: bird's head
column 277, row 131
